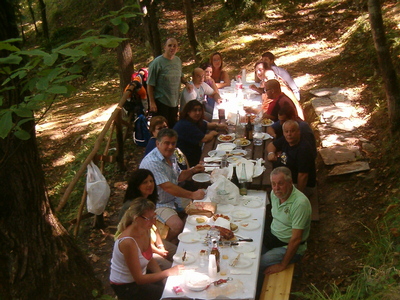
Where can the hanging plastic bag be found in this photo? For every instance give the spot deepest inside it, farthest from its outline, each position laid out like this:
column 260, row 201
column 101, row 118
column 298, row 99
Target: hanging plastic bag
column 98, row 190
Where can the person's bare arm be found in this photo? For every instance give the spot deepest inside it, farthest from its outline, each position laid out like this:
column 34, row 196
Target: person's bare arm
column 188, row 85
column 177, row 191
column 186, row 174
column 302, row 179
column 150, row 94
column 209, row 136
column 225, row 79
column 217, row 97
column 271, row 152
column 271, row 131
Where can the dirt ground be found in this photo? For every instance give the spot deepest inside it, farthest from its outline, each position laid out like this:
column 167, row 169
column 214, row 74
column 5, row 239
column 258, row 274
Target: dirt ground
column 347, row 204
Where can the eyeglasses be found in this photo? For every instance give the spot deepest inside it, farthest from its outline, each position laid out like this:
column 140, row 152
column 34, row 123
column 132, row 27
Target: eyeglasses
column 149, row 219
column 159, row 128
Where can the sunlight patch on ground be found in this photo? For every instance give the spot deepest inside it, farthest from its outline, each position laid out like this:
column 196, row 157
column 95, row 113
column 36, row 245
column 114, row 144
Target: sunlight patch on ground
column 67, row 158
column 306, row 79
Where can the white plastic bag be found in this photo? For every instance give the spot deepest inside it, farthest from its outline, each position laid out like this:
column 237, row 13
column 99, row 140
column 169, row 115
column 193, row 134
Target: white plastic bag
column 98, row 190
column 223, row 191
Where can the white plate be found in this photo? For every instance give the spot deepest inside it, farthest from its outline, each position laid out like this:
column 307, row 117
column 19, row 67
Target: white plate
column 224, row 208
column 234, row 159
column 226, row 146
column 190, row 258
column 197, row 282
column 230, row 137
column 252, row 202
column 240, row 214
column 249, row 225
column 193, row 220
column 244, row 248
column 201, row 177
column 216, row 153
column 239, row 152
column 242, row 263
column 189, row 237
column 243, row 142
column 269, row 124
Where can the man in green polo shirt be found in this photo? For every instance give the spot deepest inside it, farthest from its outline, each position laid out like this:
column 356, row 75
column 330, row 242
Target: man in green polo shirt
column 285, row 240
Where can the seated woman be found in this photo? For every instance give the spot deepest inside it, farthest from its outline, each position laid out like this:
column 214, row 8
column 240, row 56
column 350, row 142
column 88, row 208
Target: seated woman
column 192, row 131
column 142, row 184
column 156, row 124
column 132, row 256
column 220, row 76
column 210, row 81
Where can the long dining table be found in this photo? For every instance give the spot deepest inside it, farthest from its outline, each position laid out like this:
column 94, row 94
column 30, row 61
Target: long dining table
column 249, row 216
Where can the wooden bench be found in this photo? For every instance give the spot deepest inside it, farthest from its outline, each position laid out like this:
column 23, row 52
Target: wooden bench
column 277, row 286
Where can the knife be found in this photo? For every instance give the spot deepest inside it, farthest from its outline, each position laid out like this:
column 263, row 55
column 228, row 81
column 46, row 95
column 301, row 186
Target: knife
column 245, row 240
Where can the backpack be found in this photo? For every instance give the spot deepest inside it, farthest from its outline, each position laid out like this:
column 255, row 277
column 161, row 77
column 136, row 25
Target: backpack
column 141, row 133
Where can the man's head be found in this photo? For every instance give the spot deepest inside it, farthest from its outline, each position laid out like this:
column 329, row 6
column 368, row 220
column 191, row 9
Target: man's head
column 166, row 141
column 170, row 48
column 273, row 88
column 269, row 58
column 291, row 132
column 198, row 75
column 286, row 112
column 281, row 181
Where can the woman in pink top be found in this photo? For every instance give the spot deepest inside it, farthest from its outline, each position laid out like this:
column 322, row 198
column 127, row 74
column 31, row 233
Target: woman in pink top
column 132, row 256
column 220, row 76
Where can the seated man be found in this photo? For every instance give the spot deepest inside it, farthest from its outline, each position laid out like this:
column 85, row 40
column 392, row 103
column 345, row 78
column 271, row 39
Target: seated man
column 296, row 154
column 269, row 58
column 287, row 113
column 200, row 91
column 285, row 240
column 161, row 161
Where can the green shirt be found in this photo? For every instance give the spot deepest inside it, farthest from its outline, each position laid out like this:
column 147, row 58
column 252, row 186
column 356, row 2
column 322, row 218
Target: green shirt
column 165, row 75
column 294, row 213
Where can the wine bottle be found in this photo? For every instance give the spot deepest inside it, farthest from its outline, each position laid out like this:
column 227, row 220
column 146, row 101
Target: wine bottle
column 235, row 179
column 249, row 128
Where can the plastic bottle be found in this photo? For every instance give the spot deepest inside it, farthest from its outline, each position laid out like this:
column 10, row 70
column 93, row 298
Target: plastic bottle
column 224, row 161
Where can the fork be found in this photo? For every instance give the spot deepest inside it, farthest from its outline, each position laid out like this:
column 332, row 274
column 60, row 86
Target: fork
column 235, row 261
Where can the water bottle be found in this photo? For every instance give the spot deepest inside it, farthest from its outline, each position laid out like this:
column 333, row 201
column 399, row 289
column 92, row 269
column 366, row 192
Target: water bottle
column 257, row 135
column 224, row 161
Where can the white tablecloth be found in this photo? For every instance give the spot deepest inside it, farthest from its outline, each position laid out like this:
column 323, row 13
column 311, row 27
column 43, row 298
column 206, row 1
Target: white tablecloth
column 249, row 281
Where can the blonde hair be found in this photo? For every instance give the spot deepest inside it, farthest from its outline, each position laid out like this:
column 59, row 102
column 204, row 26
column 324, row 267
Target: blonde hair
column 138, row 207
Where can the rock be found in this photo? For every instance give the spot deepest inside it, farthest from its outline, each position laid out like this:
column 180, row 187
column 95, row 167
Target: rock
column 340, row 154
column 357, row 166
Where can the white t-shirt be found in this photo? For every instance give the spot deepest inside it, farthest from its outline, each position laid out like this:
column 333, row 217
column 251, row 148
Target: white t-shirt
column 197, row 94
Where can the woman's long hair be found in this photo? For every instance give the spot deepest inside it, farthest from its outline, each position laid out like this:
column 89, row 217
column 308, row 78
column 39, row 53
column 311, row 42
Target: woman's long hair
column 137, row 208
column 137, row 177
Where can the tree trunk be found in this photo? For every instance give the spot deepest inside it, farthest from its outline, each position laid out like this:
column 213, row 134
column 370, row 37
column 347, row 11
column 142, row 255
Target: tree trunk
column 31, row 11
column 385, row 63
column 190, row 28
column 45, row 25
column 150, row 22
column 39, row 259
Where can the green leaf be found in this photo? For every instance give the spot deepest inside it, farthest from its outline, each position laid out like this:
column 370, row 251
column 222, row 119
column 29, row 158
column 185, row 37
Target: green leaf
column 50, row 59
column 42, row 84
column 116, row 21
column 123, row 27
column 57, row 89
column 5, row 123
column 67, row 78
column 22, row 112
column 23, row 121
column 34, row 52
column 96, row 51
column 22, row 135
column 75, row 69
column 11, row 59
column 7, row 46
column 72, row 52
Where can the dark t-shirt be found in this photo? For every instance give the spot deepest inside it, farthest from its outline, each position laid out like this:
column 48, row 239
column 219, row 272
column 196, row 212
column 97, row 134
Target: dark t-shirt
column 189, row 139
column 298, row 158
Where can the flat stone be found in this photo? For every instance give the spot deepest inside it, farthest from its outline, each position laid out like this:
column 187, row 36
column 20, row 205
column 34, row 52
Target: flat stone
column 339, row 154
column 325, row 91
column 357, row 166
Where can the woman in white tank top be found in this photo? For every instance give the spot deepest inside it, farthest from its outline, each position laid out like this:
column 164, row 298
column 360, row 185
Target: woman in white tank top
column 132, row 256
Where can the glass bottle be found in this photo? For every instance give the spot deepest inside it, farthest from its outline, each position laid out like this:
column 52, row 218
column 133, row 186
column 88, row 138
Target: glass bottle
column 249, row 128
column 215, row 251
column 235, row 179
column 243, row 181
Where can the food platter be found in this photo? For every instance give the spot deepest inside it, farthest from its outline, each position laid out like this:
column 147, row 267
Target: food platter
column 243, row 142
column 266, row 122
column 226, row 137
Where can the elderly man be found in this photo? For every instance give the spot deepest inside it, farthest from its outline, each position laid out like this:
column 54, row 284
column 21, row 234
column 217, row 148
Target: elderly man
column 295, row 153
column 162, row 162
column 269, row 58
column 199, row 92
column 163, row 84
column 285, row 240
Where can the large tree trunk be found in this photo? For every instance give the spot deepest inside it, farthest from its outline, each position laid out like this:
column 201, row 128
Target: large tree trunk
column 385, row 63
column 38, row 258
column 150, row 22
column 190, row 28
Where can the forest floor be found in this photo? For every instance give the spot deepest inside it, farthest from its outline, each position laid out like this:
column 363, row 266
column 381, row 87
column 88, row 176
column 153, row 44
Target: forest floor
column 348, row 204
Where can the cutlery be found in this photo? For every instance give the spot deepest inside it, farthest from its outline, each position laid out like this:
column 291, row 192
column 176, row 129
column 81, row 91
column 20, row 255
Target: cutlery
column 235, row 261
column 184, row 256
column 245, row 240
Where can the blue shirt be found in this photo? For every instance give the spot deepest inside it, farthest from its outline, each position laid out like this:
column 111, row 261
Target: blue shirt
column 163, row 172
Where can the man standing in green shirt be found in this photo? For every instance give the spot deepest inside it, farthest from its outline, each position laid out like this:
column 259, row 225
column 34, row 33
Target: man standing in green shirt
column 163, row 84
column 285, row 240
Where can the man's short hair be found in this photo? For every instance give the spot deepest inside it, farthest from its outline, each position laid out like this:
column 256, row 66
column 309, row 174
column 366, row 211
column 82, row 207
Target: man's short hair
column 269, row 55
column 168, row 132
column 291, row 122
column 274, row 84
column 282, row 170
